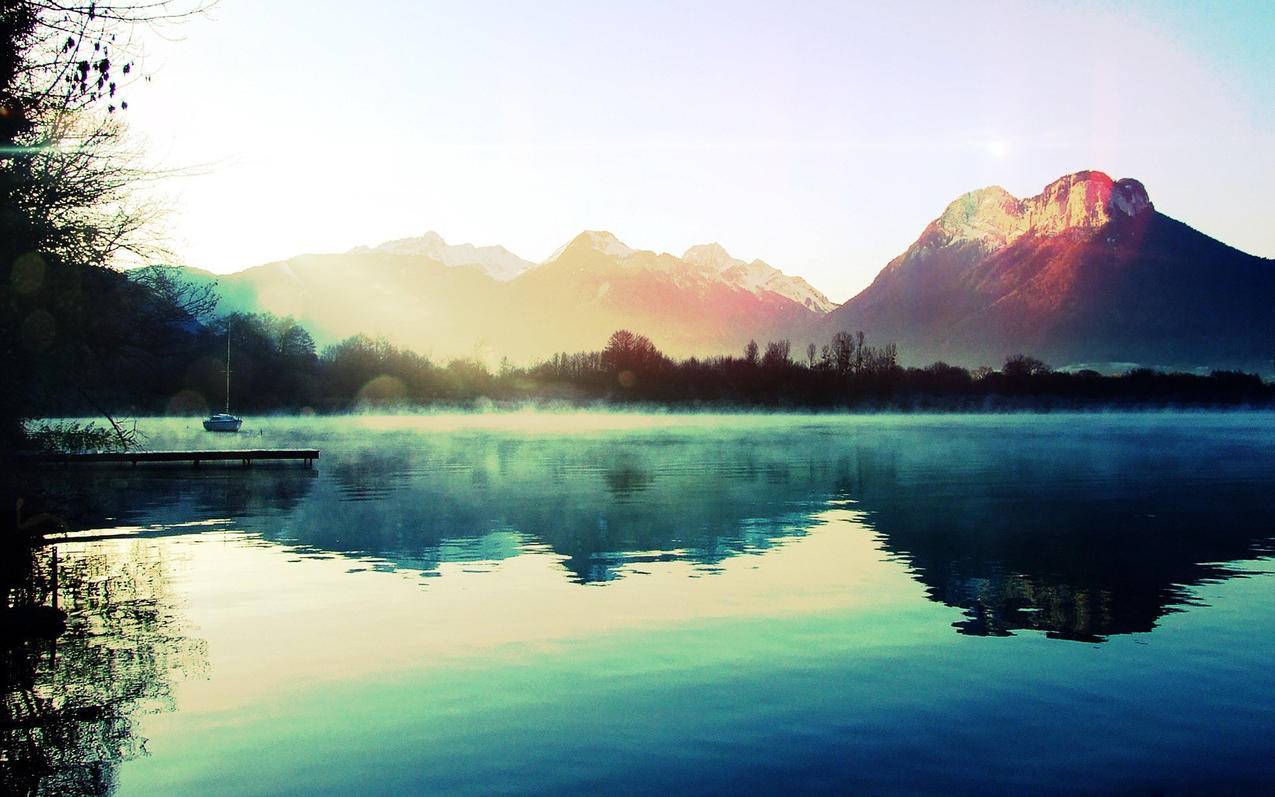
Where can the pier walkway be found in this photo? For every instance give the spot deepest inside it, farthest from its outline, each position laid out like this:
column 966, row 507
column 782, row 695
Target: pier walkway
column 245, row 456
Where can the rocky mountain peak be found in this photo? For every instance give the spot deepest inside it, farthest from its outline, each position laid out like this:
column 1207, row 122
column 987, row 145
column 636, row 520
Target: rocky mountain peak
column 756, row 276
column 1092, row 273
column 1084, row 200
column 497, row 261
column 713, row 255
column 1130, row 197
column 991, row 215
column 596, row 240
column 1079, row 200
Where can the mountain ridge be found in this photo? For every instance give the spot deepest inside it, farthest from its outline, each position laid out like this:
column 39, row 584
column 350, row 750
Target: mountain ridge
column 497, row 261
column 591, row 286
column 758, row 275
column 1085, row 271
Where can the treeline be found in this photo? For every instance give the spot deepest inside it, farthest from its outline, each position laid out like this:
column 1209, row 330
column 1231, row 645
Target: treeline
column 277, row 367
column 91, row 341
column 849, row 373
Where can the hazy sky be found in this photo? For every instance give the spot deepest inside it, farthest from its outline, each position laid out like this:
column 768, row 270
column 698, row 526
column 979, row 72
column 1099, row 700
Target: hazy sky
column 818, row 137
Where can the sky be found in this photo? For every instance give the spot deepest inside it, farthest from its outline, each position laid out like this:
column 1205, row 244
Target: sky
column 820, row 137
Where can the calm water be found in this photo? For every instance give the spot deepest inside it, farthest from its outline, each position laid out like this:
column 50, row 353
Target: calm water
column 633, row 604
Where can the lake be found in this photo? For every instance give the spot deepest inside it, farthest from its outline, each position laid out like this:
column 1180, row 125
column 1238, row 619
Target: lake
column 634, row 603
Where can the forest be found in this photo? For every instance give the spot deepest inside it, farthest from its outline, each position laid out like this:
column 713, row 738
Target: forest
column 167, row 356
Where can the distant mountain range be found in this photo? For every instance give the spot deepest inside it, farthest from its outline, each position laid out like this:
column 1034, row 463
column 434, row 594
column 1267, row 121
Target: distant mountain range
column 497, row 261
column 465, row 301
column 1086, row 272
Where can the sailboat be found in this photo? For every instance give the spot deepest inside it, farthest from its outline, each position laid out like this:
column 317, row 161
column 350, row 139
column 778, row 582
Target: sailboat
column 224, row 421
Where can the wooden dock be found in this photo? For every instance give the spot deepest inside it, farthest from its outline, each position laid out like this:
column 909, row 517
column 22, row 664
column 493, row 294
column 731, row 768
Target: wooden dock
column 245, row 456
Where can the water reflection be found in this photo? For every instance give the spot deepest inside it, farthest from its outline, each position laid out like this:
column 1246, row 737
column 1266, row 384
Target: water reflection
column 1081, row 528
column 163, row 498
column 1078, row 528
column 1078, row 536
column 71, row 704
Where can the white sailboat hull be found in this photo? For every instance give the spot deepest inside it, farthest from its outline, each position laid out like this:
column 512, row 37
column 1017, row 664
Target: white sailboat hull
column 223, row 423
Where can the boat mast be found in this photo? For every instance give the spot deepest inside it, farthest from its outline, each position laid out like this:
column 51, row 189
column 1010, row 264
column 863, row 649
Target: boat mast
column 227, row 366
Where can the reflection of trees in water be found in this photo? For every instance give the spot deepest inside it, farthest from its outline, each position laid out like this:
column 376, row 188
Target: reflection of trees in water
column 602, row 506
column 627, row 479
column 89, row 497
column 1079, row 542
column 1079, row 538
column 369, row 475
column 68, row 717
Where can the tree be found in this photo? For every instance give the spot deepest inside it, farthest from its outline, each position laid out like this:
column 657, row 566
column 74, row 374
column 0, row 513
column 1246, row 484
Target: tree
column 811, row 352
column 629, row 351
column 750, row 352
column 777, row 353
column 71, row 708
column 881, row 361
column 1021, row 365
column 945, row 379
column 843, row 349
column 181, row 299
column 296, row 343
column 67, row 209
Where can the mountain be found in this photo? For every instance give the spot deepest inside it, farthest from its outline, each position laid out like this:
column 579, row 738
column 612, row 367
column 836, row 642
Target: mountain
column 596, row 284
column 496, row 261
column 758, row 276
column 407, row 292
column 412, row 300
column 1086, row 272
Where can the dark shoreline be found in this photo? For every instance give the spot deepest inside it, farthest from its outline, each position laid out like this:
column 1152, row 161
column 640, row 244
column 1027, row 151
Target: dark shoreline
column 481, row 406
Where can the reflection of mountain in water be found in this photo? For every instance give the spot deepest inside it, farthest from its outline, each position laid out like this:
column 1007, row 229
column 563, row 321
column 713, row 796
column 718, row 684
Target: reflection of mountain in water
column 603, row 505
column 1082, row 537
column 1077, row 527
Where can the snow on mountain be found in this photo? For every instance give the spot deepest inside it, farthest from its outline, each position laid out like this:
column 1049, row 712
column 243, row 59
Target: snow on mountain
column 707, row 259
column 599, row 241
column 758, row 276
column 497, row 261
column 714, row 255
column 595, row 285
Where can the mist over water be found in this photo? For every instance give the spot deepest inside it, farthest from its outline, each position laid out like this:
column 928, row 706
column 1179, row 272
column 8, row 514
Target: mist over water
column 626, row 602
